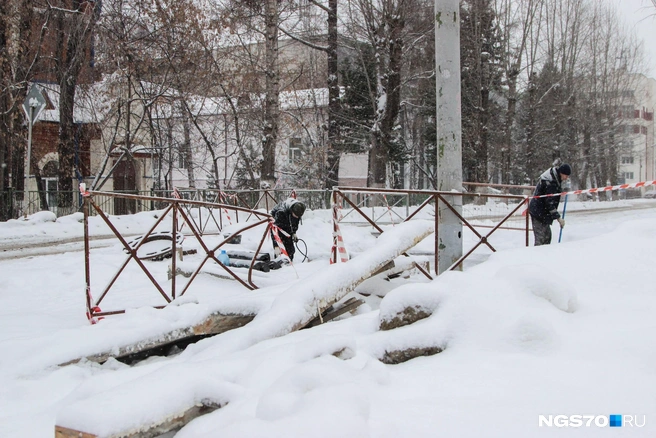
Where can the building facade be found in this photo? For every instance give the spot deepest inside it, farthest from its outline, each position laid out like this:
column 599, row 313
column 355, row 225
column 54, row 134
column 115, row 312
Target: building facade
column 638, row 158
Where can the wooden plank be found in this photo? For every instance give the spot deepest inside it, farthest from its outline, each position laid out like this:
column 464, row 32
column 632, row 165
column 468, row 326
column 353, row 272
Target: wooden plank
column 396, row 271
column 177, row 422
column 389, row 265
column 220, row 323
column 214, row 324
column 400, row 356
column 319, row 305
column 63, row 432
column 350, row 305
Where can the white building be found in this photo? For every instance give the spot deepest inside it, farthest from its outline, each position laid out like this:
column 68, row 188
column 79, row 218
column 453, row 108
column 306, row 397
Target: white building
column 638, row 158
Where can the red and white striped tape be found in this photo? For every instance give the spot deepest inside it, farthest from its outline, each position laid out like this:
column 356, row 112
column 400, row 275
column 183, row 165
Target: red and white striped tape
column 223, row 198
column 83, row 190
column 276, row 236
column 338, row 241
column 599, row 189
column 389, row 209
column 341, row 248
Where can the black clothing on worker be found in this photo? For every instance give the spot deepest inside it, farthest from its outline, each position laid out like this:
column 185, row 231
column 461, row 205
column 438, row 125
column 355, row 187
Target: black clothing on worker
column 541, row 232
column 565, row 169
column 545, row 210
column 287, row 216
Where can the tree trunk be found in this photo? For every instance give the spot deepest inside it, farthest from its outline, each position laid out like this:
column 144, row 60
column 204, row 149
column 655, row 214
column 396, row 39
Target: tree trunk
column 511, row 112
column 483, row 128
column 186, row 148
column 66, row 145
column 333, row 99
column 389, row 57
column 15, row 33
column 76, row 31
column 271, row 105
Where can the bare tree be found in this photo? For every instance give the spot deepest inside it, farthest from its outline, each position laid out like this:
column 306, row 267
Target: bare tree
column 518, row 21
column 74, row 27
column 613, row 55
column 382, row 23
column 272, row 104
column 481, row 55
column 21, row 36
column 330, row 48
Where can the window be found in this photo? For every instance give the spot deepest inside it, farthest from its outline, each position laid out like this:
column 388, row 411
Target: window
column 636, row 114
column 156, row 162
column 643, row 130
column 184, row 157
column 627, row 175
column 182, row 160
column 294, row 150
column 51, row 190
column 627, row 160
column 636, row 129
column 49, row 178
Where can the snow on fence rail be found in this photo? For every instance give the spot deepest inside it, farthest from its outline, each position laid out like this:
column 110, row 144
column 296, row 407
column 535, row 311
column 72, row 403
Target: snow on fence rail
column 14, row 204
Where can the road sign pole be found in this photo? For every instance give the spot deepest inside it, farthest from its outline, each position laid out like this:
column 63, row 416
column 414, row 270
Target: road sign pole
column 33, row 105
column 29, row 145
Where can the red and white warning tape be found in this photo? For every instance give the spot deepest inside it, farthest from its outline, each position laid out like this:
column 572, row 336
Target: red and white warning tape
column 599, row 189
column 341, row 248
column 389, row 209
column 83, row 190
column 338, row 241
column 275, row 229
column 223, row 197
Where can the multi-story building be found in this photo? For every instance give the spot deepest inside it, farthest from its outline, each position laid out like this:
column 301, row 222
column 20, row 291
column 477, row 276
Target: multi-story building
column 638, row 158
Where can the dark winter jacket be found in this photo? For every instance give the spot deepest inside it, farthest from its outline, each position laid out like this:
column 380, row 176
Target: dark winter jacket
column 546, row 209
column 283, row 217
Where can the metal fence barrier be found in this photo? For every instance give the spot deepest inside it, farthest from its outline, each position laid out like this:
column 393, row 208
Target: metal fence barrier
column 15, row 204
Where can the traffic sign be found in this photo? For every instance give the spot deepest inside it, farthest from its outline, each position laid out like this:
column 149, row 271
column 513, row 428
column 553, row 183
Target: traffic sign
column 34, row 103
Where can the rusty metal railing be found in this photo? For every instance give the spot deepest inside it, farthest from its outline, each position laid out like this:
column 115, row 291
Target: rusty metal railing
column 179, row 210
column 344, row 195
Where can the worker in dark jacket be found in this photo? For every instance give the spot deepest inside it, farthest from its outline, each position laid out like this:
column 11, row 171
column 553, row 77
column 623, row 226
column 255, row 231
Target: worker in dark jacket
column 287, row 215
column 545, row 210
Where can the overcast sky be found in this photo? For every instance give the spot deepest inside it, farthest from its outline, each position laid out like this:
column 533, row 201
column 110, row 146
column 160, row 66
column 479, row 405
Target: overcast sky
column 642, row 15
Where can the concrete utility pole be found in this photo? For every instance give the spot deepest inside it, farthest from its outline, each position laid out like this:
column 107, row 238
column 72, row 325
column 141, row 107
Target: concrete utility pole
column 449, row 135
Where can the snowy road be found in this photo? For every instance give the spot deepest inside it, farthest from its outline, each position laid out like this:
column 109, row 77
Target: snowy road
column 52, row 247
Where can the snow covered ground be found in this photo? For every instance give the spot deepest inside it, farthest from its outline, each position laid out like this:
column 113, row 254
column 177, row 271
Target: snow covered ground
column 568, row 329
